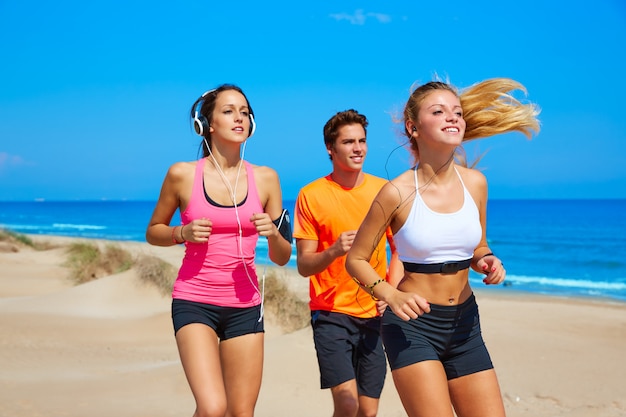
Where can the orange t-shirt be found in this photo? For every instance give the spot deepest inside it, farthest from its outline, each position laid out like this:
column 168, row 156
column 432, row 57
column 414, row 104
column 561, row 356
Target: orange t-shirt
column 324, row 210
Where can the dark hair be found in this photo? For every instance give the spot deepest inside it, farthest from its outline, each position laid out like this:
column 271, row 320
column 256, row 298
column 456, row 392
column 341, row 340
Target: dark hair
column 206, row 109
column 340, row 119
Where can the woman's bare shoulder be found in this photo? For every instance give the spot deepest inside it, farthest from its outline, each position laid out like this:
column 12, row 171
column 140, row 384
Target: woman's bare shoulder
column 398, row 189
column 181, row 169
column 475, row 182
column 264, row 173
column 472, row 176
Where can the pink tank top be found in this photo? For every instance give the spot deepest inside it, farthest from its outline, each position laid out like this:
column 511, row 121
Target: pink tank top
column 221, row 271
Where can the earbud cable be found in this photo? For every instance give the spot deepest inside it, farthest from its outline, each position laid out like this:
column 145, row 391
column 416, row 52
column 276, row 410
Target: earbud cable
column 233, row 192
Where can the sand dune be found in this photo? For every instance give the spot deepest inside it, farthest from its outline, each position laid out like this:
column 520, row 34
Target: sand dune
column 106, row 348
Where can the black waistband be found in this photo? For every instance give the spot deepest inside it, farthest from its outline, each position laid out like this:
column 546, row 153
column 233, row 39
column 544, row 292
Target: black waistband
column 450, row 267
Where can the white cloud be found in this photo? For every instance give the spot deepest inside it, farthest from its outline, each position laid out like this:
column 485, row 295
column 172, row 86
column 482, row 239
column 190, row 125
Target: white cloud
column 359, row 17
column 7, row 160
column 381, row 17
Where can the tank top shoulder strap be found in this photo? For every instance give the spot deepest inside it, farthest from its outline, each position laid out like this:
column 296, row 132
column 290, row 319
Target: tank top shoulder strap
column 252, row 190
column 459, row 175
column 418, row 197
column 469, row 199
column 198, row 180
column 461, row 179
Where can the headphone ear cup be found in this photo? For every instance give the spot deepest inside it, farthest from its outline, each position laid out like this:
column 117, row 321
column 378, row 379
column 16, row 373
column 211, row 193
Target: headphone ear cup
column 252, row 126
column 200, row 125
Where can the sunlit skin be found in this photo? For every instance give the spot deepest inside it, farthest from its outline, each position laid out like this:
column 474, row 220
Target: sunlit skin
column 231, row 120
column 440, row 122
column 347, row 152
column 423, row 386
column 348, row 155
column 438, row 131
column 222, row 383
column 229, row 129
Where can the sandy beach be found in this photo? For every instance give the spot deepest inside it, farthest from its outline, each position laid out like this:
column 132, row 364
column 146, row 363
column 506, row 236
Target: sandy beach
column 106, row 348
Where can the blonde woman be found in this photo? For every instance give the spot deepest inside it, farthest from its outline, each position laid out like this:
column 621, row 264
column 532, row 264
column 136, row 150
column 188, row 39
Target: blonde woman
column 437, row 214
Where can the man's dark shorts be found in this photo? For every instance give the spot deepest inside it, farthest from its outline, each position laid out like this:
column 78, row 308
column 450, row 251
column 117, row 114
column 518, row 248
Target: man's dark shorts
column 349, row 348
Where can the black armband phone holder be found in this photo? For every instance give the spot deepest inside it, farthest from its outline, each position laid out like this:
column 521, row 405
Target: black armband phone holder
column 283, row 223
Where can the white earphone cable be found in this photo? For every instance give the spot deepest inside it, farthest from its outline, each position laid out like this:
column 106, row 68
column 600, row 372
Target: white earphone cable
column 233, row 193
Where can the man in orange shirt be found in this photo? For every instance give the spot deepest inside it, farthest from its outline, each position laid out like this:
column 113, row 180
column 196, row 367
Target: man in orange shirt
column 345, row 319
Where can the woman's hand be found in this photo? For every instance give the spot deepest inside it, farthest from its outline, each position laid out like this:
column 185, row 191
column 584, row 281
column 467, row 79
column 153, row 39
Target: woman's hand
column 381, row 306
column 264, row 224
column 279, row 247
column 197, row 231
column 408, row 305
column 493, row 268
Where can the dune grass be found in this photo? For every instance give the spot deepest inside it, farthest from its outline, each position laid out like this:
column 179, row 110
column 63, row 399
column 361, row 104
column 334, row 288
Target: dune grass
column 21, row 240
column 155, row 271
column 87, row 261
column 283, row 306
column 10, row 236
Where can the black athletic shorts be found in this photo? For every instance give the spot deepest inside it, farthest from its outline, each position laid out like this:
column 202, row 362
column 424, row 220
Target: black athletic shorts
column 449, row 334
column 349, row 348
column 228, row 322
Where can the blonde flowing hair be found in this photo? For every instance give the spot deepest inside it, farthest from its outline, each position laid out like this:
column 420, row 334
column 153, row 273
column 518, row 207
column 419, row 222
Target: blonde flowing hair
column 489, row 109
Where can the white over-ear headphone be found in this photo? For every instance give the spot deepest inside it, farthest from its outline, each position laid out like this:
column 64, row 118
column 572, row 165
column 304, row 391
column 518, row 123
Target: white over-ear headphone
column 201, row 124
column 252, row 126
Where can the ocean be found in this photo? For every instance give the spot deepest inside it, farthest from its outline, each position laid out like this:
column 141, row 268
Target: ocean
column 569, row 248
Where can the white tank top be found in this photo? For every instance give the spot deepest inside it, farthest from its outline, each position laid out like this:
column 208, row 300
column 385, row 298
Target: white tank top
column 429, row 237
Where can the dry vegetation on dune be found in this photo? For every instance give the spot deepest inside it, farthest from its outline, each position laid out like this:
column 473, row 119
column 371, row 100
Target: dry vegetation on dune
column 87, row 261
column 283, row 306
column 13, row 242
column 155, row 271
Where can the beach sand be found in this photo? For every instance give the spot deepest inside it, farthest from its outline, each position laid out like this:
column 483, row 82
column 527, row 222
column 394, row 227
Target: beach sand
column 106, row 348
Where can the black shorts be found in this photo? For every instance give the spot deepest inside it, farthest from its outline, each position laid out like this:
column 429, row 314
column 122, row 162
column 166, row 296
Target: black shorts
column 449, row 334
column 349, row 348
column 228, row 322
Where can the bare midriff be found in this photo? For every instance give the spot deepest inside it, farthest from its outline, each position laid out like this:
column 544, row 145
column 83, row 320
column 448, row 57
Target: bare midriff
column 442, row 289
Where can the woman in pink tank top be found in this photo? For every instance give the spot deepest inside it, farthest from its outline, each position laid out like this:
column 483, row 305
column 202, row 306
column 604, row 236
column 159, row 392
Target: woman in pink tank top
column 226, row 204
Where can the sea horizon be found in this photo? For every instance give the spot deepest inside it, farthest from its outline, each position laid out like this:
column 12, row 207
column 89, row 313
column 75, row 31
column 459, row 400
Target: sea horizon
column 291, row 198
column 562, row 247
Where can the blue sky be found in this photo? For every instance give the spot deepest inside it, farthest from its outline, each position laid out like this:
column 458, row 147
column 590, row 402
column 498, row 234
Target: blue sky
column 94, row 96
